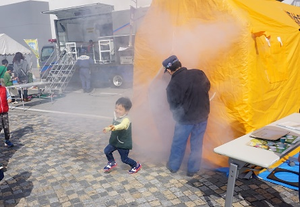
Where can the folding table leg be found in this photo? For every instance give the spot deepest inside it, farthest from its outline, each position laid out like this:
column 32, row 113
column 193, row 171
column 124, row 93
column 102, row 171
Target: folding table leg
column 22, row 97
column 233, row 170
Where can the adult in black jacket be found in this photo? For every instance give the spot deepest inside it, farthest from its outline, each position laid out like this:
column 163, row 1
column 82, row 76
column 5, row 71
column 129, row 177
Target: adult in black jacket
column 188, row 97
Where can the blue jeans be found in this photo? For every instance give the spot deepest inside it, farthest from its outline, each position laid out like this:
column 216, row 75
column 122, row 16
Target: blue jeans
column 109, row 149
column 85, row 78
column 181, row 135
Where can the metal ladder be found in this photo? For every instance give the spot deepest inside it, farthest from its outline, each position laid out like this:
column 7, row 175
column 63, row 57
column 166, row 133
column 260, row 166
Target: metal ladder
column 63, row 69
column 106, row 50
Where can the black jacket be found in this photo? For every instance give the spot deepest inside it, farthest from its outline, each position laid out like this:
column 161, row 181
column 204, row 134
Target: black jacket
column 188, row 97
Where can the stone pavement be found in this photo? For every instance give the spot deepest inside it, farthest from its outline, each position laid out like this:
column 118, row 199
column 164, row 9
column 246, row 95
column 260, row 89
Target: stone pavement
column 58, row 161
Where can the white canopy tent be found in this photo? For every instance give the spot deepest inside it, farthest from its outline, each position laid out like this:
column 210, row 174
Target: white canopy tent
column 296, row 3
column 9, row 46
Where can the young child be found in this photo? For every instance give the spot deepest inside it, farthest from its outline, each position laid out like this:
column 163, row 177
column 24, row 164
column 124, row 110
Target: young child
column 120, row 138
column 8, row 80
column 5, row 98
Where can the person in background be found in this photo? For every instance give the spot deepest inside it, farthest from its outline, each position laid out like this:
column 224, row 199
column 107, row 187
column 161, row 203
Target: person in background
column 90, row 47
column 120, row 138
column 188, row 98
column 8, row 79
column 84, row 63
column 21, row 70
column 5, row 98
column 3, row 68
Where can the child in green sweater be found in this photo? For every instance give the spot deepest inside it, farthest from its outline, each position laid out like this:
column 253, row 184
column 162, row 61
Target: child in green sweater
column 8, row 80
column 120, row 138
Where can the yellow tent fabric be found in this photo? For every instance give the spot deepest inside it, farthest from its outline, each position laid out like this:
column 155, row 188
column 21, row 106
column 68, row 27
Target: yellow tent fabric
column 249, row 51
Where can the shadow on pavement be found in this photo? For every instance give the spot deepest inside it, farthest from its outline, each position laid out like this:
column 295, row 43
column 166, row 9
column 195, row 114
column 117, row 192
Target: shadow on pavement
column 254, row 194
column 17, row 134
column 38, row 101
column 7, row 153
column 15, row 188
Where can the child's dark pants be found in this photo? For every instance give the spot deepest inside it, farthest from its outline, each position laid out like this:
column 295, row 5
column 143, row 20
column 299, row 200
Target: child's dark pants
column 109, row 149
column 5, row 125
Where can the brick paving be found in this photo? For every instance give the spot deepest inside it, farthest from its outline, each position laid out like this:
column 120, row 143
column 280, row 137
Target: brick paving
column 58, row 161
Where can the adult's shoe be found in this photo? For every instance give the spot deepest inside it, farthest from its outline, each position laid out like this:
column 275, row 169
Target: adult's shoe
column 190, row 174
column 172, row 171
column 26, row 99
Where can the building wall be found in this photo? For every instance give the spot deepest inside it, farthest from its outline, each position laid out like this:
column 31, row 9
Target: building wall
column 24, row 20
column 122, row 18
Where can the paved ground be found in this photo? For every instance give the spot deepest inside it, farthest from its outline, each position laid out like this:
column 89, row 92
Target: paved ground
column 58, row 161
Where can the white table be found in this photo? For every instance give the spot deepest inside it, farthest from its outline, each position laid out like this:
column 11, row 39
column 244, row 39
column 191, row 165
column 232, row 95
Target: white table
column 28, row 85
column 240, row 154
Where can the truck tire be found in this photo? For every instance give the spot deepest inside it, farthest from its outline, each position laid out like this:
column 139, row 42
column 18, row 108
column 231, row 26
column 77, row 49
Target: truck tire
column 117, row 80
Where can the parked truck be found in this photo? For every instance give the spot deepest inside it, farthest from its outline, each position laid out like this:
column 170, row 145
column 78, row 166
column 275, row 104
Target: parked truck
column 106, row 35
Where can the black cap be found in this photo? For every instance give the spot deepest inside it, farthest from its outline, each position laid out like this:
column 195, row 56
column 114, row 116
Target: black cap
column 167, row 63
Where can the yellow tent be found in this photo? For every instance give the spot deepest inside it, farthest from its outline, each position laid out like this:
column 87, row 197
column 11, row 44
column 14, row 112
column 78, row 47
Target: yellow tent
column 249, row 51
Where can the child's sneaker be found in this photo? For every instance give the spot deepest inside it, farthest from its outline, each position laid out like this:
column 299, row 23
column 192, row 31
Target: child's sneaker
column 110, row 166
column 135, row 169
column 8, row 143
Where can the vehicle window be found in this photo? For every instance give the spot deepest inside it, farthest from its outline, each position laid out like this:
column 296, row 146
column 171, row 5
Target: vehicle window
column 46, row 53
